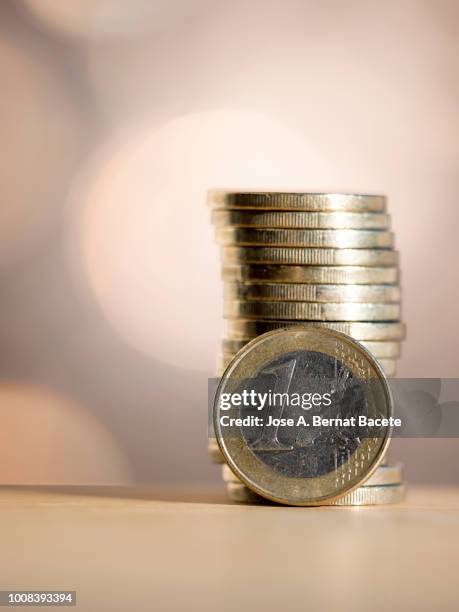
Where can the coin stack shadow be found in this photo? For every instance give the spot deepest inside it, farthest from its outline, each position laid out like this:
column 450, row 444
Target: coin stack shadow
column 308, row 259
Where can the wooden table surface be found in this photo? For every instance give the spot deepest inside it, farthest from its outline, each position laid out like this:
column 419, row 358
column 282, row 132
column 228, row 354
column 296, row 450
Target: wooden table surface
column 142, row 549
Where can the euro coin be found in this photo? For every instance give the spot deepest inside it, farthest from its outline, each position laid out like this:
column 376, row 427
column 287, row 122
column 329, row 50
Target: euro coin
column 363, row 496
column 300, row 219
column 383, row 475
column 298, row 201
column 379, row 349
column 330, row 239
column 309, row 256
column 323, row 275
column 245, row 328
column 312, row 311
column 297, row 292
column 298, row 464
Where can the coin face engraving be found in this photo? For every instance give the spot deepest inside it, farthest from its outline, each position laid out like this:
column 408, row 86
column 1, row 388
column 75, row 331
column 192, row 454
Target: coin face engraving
column 283, row 373
column 306, row 452
column 301, row 442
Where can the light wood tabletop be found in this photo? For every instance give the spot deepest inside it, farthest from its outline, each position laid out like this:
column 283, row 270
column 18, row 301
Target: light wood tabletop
column 148, row 549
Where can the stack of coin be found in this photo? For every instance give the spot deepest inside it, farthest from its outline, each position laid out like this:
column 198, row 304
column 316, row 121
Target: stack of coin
column 306, row 259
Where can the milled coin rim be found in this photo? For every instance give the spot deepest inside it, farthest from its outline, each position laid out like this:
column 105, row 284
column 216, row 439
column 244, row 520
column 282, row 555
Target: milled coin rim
column 323, row 340
column 307, row 201
column 306, row 238
column 310, row 275
column 312, row 311
column 309, row 256
column 299, row 219
column 311, row 292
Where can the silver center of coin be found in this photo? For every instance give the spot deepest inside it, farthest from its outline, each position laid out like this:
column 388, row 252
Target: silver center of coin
column 304, row 383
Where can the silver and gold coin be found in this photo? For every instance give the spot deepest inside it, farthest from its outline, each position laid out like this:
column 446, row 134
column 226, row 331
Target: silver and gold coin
column 309, row 256
column 384, row 475
column 297, row 201
column 298, row 292
column 300, row 219
column 322, row 275
column 303, row 465
column 380, row 349
column 319, row 239
column 312, row 311
column 246, row 328
column 363, row 496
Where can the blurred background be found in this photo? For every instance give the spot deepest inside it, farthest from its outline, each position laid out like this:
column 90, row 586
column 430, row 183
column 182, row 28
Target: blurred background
column 116, row 116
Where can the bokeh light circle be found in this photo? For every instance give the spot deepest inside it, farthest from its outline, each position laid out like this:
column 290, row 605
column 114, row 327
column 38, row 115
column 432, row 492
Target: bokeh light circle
column 46, row 438
column 144, row 233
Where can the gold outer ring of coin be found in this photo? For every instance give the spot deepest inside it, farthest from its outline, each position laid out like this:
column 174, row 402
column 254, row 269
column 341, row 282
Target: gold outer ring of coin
column 312, row 311
column 389, row 366
column 384, row 475
column 309, row 256
column 363, row 496
column 316, row 238
column 300, row 219
column 246, row 328
column 323, row 275
column 296, row 490
column 297, row 201
column 379, row 349
column 298, row 292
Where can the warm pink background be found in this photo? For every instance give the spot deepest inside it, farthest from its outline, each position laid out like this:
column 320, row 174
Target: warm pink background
column 115, row 118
